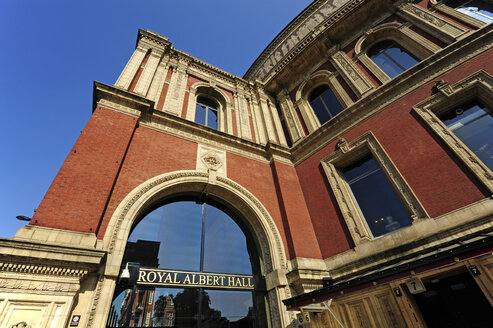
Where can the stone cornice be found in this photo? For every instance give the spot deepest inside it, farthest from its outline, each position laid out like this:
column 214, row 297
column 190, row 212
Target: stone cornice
column 42, row 269
column 122, row 100
column 380, row 98
column 290, row 28
column 177, row 126
column 210, row 69
column 154, row 38
column 33, row 251
column 284, row 49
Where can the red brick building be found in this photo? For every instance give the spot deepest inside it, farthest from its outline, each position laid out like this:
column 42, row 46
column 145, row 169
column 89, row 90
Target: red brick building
column 347, row 175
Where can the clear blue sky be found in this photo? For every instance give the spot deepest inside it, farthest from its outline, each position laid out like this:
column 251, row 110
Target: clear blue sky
column 52, row 51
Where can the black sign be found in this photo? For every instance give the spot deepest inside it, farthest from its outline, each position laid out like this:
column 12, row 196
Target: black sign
column 75, row 321
column 172, row 278
column 397, row 292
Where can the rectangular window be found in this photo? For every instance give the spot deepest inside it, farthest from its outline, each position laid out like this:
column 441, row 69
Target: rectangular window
column 473, row 125
column 382, row 210
column 373, row 197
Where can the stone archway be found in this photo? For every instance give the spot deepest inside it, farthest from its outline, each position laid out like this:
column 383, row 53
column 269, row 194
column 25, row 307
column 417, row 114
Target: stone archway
column 166, row 185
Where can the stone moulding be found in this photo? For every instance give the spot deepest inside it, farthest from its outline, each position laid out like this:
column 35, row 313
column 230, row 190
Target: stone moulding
column 350, row 152
column 301, row 32
column 42, row 269
column 478, row 86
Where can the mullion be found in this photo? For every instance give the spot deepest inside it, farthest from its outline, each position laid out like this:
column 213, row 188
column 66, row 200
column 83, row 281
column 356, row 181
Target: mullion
column 325, row 105
column 393, row 60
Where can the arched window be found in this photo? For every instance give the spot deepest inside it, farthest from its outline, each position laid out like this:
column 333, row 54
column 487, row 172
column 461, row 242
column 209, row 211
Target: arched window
column 206, row 112
column 391, row 57
column 194, row 266
column 475, row 8
column 324, row 103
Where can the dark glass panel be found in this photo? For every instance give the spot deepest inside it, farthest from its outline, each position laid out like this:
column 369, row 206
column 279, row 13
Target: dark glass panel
column 212, row 118
column 474, row 127
column 229, row 309
column 177, row 227
column 454, row 302
column 324, row 103
column 225, row 246
column 402, row 57
column 391, row 58
column 320, row 110
column 318, row 92
column 207, row 102
column 200, row 112
column 388, row 66
column 331, row 102
column 382, row 209
column 359, row 168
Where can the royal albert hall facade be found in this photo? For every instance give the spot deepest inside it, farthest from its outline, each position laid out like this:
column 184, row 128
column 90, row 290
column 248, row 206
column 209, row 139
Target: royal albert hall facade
column 345, row 181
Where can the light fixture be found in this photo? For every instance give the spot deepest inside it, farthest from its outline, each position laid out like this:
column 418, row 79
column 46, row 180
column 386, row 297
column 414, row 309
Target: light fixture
column 125, row 273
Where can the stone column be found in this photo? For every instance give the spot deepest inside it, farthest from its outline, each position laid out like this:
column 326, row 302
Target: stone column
column 277, row 123
column 259, row 120
column 158, row 81
column 266, row 114
column 238, row 114
column 131, row 68
column 351, row 73
column 293, row 124
column 148, row 73
column 244, row 116
column 177, row 87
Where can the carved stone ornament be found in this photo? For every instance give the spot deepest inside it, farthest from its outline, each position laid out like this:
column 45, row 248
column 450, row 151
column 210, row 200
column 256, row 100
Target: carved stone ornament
column 343, row 145
column 21, row 324
column 424, row 15
column 212, row 161
column 443, row 87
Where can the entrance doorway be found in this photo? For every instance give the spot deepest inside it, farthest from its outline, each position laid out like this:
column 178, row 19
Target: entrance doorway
column 454, row 302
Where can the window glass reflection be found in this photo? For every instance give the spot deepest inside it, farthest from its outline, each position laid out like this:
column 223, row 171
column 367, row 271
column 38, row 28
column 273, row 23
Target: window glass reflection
column 228, row 309
column 225, row 247
column 473, row 125
column 391, row 58
column 206, row 112
column 185, row 235
column 478, row 9
column 379, row 204
column 177, row 229
column 324, row 103
column 175, row 307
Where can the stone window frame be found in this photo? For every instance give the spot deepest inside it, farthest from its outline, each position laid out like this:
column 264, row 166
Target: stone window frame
column 315, row 80
column 350, row 152
column 442, row 7
column 224, row 116
column 409, row 40
column 478, row 86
